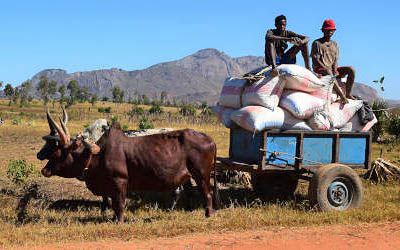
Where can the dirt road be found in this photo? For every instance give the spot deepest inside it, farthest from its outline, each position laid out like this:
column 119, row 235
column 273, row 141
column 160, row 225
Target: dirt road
column 363, row 236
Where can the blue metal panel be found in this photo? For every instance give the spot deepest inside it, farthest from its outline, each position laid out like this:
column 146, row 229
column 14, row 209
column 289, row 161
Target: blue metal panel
column 281, row 144
column 317, row 150
column 352, row 150
column 245, row 146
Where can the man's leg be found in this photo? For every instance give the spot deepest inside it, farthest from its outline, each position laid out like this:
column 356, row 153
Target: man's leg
column 272, row 52
column 351, row 74
column 292, row 52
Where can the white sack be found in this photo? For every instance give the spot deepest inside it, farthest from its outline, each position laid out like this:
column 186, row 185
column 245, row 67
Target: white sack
column 257, row 118
column 231, row 91
column 299, row 78
column 265, row 92
column 224, row 115
column 300, row 104
column 292, row 123
column 320, row 121
column 356, row 126
column 340, row 114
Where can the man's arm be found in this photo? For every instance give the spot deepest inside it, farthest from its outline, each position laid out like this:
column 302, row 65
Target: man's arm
column 335, row 64
column 270, row 37
column 298, row 39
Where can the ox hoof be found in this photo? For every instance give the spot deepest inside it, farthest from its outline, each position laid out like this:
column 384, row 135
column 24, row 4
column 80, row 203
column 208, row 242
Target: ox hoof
column 209, row 212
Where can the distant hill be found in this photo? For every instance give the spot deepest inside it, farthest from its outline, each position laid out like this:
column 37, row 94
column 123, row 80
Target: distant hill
column 194, row 78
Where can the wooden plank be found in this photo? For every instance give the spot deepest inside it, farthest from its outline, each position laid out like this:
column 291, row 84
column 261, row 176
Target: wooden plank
column 335, row 148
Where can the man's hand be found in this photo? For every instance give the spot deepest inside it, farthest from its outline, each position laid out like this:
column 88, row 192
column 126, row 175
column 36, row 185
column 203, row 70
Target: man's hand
column 274, row 72
column 296, row 41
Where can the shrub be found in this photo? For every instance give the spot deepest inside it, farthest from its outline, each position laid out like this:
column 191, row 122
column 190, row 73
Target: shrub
column 136, row 111
column 394, row 126
column 125, row 127
column 104, row 110
column 144, row 123
column 378, row 128
column 206, row 111
column 17, row 121
column 18, row 171
column 156, row 109
column 188, row 110
column 114, row 118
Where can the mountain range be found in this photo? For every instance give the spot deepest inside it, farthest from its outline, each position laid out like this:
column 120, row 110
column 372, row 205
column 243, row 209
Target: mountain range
column 195, row 78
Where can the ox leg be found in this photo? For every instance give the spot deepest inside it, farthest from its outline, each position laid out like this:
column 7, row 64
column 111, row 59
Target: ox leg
column 204, row 184
column 118, row 202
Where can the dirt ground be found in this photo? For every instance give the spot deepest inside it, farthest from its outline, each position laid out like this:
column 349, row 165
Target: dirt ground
column 363, row 236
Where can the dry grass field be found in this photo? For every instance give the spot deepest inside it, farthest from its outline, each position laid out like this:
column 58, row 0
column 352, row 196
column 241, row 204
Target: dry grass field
column 63, row 210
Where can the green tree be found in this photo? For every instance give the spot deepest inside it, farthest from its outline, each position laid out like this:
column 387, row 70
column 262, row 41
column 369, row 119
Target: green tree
column 62, row 91
column 24, row 91
column 73, row 88
column 378, row 129
column 93, row 99
column 118, row 94
column 9, row 92
column 83, row 94
column 46, row 89
column 163, row 97
column 394, row 126
column 156, row 109
column 188, row 110
column 145, row 100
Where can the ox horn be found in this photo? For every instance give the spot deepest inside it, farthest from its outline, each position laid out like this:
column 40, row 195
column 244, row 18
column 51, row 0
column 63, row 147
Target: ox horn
column 52, row 128
column 63, row 137
column 65, row 115
column 64, row 122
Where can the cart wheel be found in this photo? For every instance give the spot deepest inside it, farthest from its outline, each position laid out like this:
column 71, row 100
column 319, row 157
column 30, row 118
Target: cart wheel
column 335, row 187
column 275, row 185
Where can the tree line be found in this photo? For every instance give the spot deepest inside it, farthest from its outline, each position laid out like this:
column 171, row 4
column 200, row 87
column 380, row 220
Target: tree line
column 72, row 93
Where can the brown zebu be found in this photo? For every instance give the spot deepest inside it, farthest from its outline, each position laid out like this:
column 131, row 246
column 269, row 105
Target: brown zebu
column 118, row 164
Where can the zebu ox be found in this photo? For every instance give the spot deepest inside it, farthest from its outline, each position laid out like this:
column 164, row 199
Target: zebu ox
column 117, row 164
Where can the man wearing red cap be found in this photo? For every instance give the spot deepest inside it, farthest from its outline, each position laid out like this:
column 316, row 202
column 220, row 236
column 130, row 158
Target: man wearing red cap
column 276, row 43
column 325, row 56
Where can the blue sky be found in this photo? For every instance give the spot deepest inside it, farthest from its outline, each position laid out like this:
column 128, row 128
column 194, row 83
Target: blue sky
column 98, row 34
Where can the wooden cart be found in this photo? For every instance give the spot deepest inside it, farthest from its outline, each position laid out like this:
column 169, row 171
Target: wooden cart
column 277, row 160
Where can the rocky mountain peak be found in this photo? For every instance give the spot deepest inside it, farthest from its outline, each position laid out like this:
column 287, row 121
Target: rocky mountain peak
column 195, row 78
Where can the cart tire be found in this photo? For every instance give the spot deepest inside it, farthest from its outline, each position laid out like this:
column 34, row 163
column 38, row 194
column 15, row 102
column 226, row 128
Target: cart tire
column 275, row 185
column 335, row 187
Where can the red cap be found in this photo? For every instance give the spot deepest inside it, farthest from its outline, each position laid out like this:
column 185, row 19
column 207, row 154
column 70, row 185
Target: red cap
column 329, row 24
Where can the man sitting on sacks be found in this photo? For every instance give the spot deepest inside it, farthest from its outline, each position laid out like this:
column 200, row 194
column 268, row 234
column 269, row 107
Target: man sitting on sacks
column 325, row 55
column 276, row 44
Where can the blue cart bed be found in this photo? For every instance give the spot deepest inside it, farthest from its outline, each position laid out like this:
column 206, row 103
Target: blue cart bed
column 277, row 160
column 297, row 150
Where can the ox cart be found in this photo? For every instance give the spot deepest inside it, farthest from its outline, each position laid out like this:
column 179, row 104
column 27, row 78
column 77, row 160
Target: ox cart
column 277, row 160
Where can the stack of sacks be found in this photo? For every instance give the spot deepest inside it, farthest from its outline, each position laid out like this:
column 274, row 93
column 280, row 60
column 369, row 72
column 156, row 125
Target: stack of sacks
column 296, row 100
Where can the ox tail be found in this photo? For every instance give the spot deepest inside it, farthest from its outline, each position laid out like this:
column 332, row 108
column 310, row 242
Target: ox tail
column 217, row 198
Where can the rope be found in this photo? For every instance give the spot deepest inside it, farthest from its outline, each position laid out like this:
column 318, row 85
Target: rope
column 294, row 157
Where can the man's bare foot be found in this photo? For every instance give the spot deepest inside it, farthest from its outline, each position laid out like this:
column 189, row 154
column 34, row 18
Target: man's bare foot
column 344, row 100
column 274, row 72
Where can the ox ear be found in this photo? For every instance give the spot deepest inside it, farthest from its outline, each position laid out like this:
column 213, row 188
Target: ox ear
column 93, row 147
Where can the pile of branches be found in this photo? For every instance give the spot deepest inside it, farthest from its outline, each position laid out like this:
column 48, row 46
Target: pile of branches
column 234, row 177
column 382, row 171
